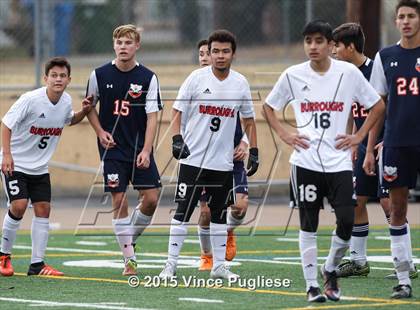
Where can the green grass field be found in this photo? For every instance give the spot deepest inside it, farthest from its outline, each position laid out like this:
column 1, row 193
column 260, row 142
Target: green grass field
column 103, row 287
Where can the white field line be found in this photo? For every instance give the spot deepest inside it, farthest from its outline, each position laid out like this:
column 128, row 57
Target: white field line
column 46, row 303
column 93, row 243
column 288, row 239
column 215, row 301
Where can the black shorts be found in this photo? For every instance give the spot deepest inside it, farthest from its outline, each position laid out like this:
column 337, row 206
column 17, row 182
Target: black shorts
column 239, row 178
column 308, row 188
column 367, row 185
column 20, row 185
column 192, row 181
column 400, row 166
column 118, row 174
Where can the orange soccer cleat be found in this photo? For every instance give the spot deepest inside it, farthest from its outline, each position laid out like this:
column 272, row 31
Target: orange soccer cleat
column 206, row 262
column 44, row 270
column 230, row 246
column 6, row 268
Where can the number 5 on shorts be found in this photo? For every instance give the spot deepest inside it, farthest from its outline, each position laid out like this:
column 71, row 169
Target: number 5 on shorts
column 13, row 188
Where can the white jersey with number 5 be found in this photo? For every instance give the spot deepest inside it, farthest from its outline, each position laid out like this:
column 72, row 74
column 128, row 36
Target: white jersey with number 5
column 322, row 105
column 211, row 106
column 36, row 124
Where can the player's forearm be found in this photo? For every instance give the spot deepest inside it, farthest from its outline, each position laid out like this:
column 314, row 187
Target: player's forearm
column 272, row 120
column 374, row 134
column 77, row 117
column 94, row 121
column 376, row 112
column 251, row 131
column 176, row 122
column 150, row 131
column 6, row 135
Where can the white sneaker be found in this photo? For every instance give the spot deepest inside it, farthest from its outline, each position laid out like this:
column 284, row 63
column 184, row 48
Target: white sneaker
column 223, row 272
column 168, row 271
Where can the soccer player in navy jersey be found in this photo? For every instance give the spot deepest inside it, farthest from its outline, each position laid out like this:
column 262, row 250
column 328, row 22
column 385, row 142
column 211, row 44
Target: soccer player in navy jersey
column 129, row 99
column 349, row 41
column 237, row 212
column 395, row 76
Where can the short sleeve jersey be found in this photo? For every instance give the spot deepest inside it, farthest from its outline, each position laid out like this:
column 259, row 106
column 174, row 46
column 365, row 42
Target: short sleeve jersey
column 359, row 112
column 322, row 105
column 396, row 75
column 36, row 124
column 212, row 106
column 125, row 100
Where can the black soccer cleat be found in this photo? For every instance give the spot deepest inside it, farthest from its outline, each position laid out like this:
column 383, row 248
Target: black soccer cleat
column 314, row 295
column 401, row 291
column 331, row 289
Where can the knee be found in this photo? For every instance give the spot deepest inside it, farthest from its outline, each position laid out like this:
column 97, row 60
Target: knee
column 18, row 207
column 344, row 227
column 218, row 214
column 42, row 209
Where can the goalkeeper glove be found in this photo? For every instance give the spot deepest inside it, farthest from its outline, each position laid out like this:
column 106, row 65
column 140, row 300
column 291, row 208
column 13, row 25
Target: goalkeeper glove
column 252, row 161
column 179, row 148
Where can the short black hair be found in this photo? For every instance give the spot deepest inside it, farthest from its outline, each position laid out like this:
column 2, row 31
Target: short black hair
column 350, row 33
column 201, row 43
column 59, row 62
column 318, row 26
column 223, row 36
column 410, row 3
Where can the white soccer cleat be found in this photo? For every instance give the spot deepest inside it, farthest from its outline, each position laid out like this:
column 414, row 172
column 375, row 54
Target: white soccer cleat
column 168, row 272
column 223, row 272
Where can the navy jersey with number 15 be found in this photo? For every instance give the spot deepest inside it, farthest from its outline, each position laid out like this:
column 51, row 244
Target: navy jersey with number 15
column 125, row 100
column 396, row 74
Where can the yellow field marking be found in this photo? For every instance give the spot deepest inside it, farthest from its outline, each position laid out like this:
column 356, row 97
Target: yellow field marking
column 236, row 289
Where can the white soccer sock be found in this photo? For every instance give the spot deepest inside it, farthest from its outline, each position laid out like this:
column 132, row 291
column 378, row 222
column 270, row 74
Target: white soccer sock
column 337, row 251
column 358, row 243
column 204, row 236
column 218, row 237
column 10, row 227
column 409, row 247
column 399, row 253
column 232, row 221
column 309, row 256
column 178, row 233
column 122, row 230
column 39, row 234
column 139, row 223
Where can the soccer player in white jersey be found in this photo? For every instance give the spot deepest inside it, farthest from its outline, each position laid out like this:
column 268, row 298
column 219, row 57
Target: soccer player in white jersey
column 395, row 75
column 30, row 133
column 237, row 211
column 213, row 95
column 321, row 92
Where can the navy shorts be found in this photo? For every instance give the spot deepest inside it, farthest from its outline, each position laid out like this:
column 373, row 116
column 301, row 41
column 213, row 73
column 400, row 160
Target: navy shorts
column 367, row 185
column 118, row 174
column 400, row 166
column 240, row 181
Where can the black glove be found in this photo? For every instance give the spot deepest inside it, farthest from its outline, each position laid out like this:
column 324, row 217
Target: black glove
column 179, row 148
column 253, row 162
